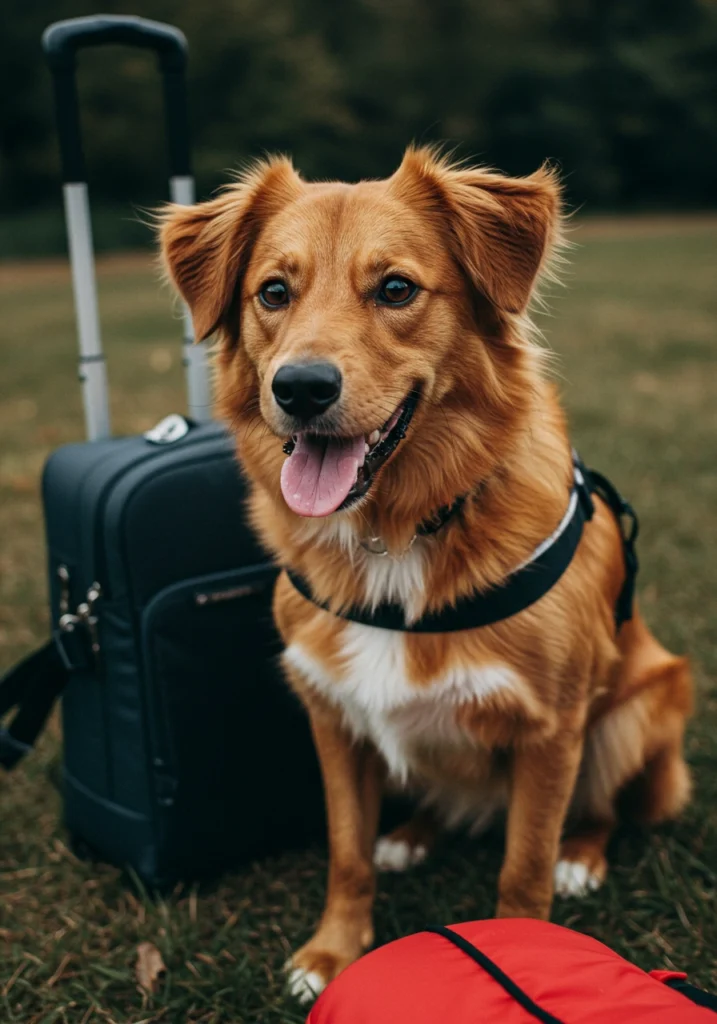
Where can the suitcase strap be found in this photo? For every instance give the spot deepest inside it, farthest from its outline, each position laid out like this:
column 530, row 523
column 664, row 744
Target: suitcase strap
column 31, row 687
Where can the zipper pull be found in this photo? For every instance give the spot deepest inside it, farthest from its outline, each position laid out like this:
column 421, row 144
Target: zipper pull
column 63, row 574
column 86, row 611
column 84, row 614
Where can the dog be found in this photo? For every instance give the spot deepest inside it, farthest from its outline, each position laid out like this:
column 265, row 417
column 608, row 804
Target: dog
column 379, row 369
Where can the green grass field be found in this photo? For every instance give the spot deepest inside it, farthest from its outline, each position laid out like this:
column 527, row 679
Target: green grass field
column 636, row 334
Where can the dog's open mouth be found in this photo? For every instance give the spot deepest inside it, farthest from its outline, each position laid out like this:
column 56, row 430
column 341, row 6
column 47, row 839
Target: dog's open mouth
column 324, row 473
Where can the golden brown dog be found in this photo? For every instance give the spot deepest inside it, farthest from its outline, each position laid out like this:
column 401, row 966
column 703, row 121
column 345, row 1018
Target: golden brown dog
column 336, row 306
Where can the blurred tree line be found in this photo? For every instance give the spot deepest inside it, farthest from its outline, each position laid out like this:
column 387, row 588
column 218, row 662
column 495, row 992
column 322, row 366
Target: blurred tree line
column 621, row 93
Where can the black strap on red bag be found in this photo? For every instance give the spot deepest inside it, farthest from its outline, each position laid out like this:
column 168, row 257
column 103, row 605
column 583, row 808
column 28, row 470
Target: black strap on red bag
column 491, row 968
column 691, row 992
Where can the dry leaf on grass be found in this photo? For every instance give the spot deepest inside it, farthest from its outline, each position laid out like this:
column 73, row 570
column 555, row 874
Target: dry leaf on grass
column 150, row 967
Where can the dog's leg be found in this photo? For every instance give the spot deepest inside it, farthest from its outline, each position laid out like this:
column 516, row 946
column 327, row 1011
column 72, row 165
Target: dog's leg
column 372, row 778
column 633, row 760
column 352, row 783
column 408, row 845
column 659, row 793
column 542, row 783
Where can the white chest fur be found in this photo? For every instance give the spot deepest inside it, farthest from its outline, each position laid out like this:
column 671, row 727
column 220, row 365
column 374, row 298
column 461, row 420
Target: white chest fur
column 377, row 697
column 381, row 703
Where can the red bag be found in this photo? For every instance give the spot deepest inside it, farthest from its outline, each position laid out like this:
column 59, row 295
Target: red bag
column 513, row 971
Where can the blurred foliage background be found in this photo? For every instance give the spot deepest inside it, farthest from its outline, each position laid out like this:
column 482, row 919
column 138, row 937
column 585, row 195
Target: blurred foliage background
column 621, row 93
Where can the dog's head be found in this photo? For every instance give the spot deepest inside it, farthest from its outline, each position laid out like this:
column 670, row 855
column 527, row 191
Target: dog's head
column 352, row 315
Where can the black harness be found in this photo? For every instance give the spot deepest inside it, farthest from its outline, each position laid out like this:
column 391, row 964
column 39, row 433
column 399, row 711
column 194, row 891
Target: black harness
column 525, row 585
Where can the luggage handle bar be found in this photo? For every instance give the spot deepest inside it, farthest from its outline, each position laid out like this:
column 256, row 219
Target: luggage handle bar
column 60, row 42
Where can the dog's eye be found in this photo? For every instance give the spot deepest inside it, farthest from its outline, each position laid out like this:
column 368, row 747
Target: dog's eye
column 396, row 291
column 274, row 294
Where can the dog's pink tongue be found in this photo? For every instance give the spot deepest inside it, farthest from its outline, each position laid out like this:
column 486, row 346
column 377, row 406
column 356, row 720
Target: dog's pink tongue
column 320, row 472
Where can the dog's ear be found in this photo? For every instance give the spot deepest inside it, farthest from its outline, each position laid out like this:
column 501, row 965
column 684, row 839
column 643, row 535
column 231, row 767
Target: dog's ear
column 502, row 230
column 206, row 248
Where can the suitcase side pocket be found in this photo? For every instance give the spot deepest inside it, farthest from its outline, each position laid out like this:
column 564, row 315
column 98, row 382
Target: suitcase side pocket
column 229, row 740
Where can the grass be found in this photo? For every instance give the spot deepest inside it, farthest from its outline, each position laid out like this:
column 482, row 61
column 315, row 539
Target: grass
column 636, row 333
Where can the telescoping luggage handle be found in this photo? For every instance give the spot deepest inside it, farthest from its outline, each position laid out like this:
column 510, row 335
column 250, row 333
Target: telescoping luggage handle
column 61, row 41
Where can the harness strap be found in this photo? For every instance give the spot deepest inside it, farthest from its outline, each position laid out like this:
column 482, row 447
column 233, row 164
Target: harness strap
column 629, row 529
column 526, row 585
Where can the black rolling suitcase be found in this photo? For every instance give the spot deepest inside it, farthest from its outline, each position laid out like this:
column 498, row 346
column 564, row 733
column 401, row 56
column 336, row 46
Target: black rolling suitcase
column 184, row 752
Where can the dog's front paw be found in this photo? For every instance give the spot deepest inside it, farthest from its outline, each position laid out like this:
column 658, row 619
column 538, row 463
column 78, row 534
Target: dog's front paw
column 311, row 969
column 397, row 854
column 575, row 878
column 303, row 984
column 581, row 866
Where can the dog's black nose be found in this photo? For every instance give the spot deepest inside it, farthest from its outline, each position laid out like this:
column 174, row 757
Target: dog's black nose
column 306, row 389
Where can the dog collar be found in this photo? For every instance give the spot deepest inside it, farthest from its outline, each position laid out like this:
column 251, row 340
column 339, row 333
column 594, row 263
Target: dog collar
column 426, row 528
column 526, row 584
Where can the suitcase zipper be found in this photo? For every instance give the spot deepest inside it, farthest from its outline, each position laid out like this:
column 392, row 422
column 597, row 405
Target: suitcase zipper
column 84, row 615
column 71, row 636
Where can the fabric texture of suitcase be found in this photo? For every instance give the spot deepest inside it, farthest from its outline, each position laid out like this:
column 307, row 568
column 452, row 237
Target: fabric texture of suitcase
column 184, row 751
